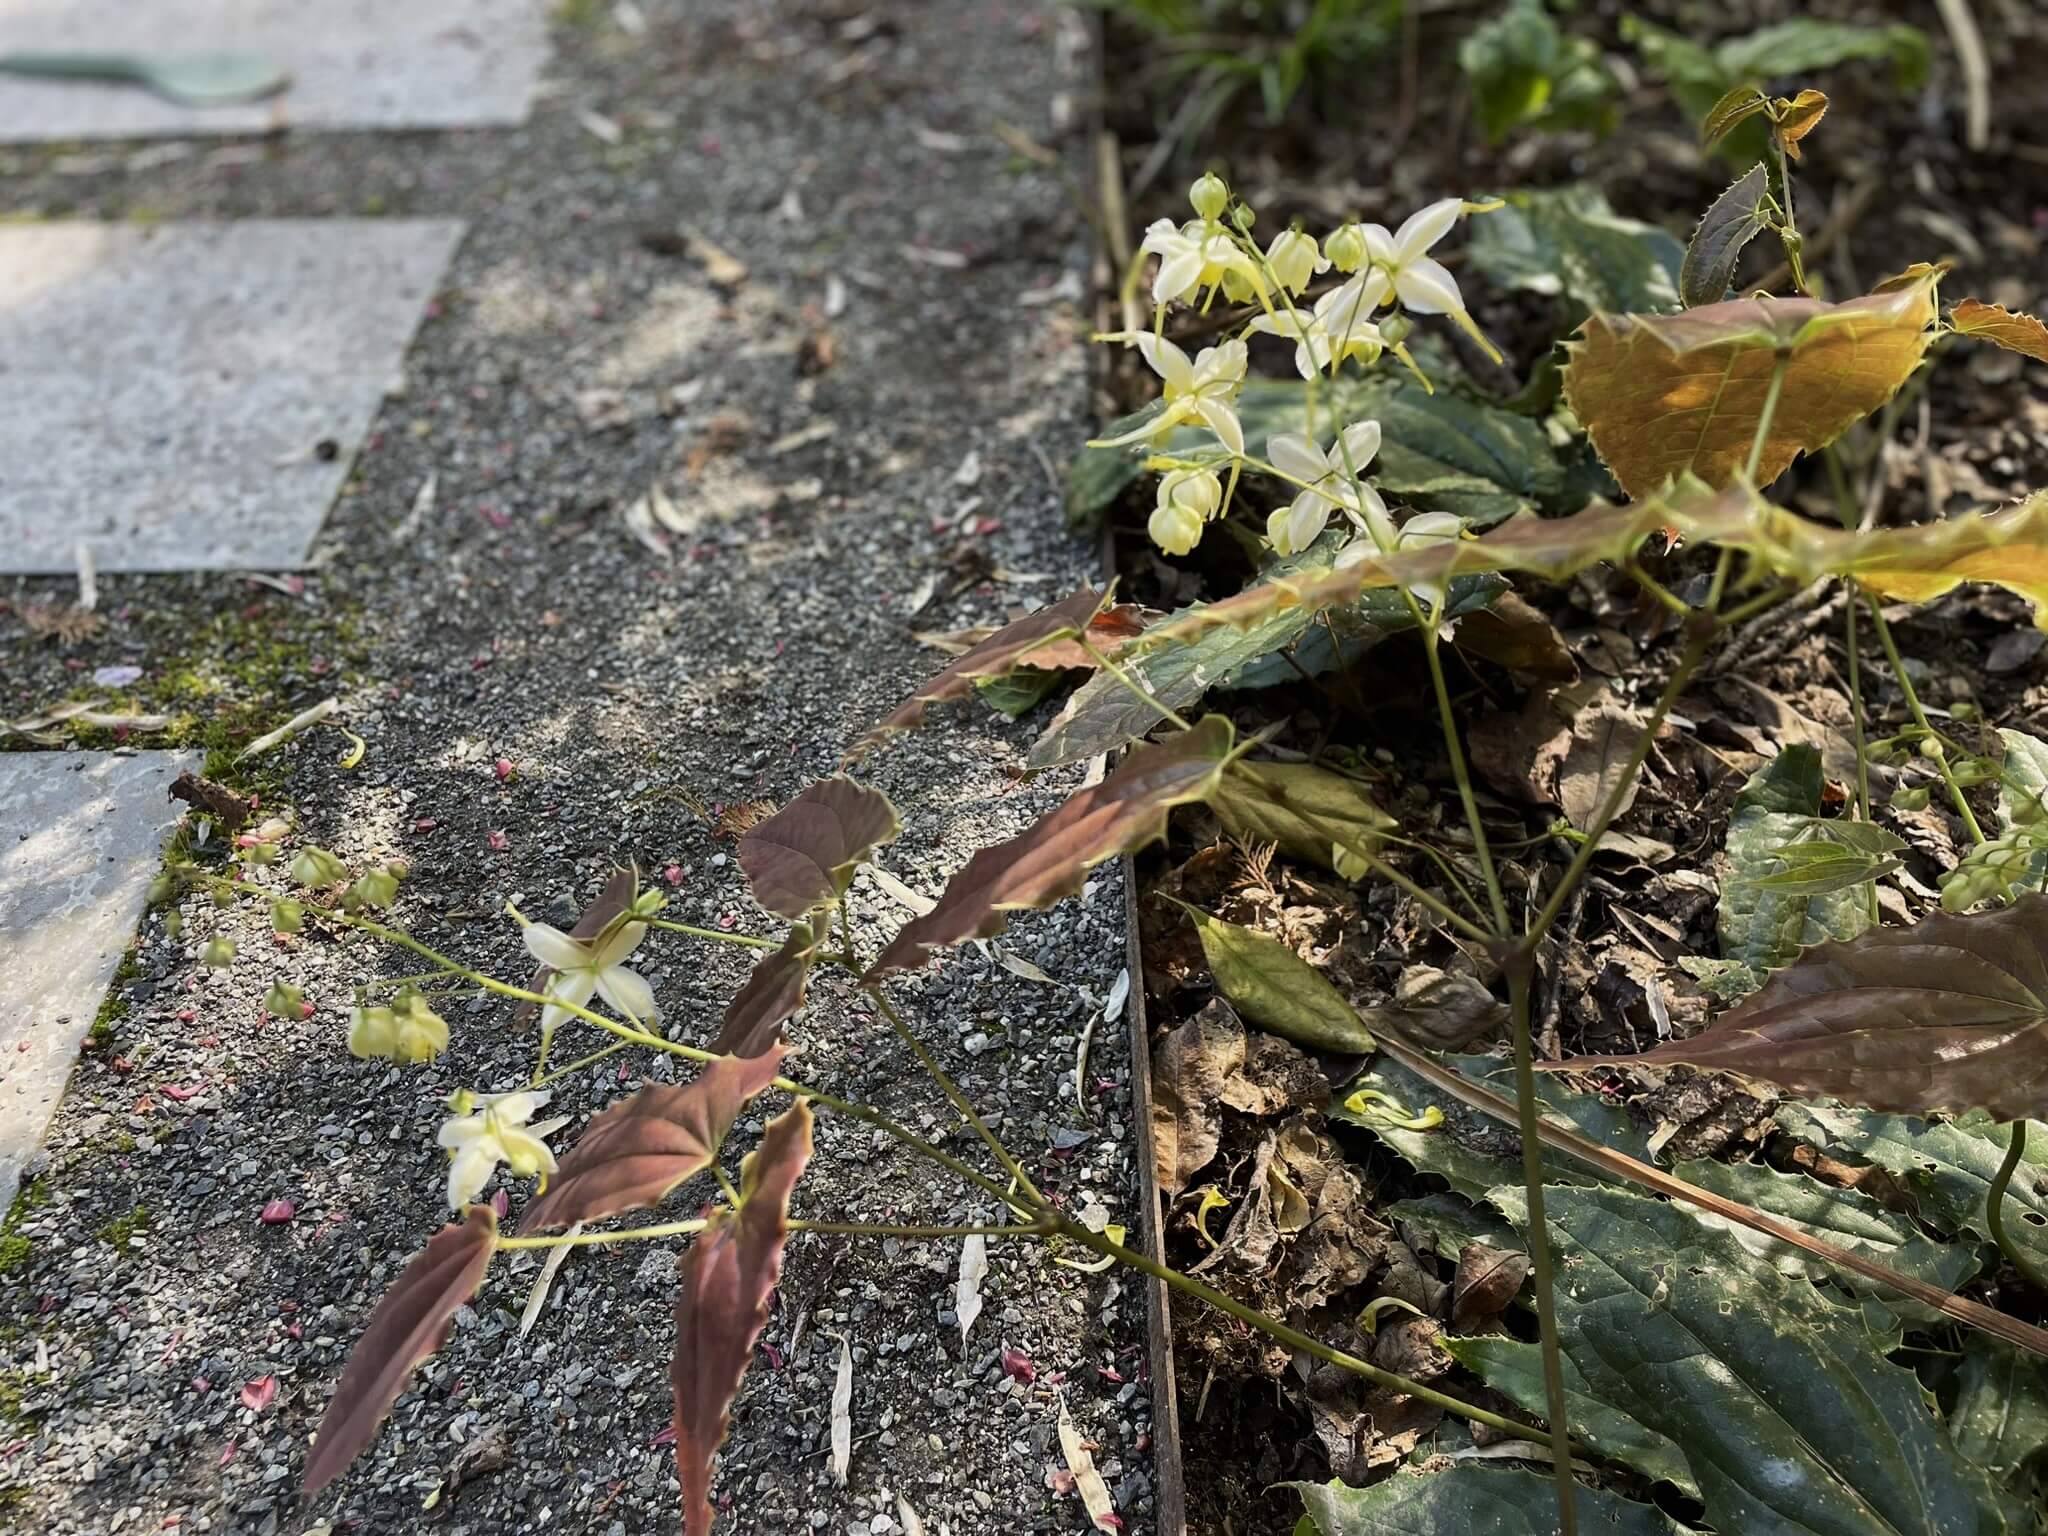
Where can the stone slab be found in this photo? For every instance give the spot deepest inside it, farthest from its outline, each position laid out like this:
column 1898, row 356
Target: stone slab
column 167, row 386
column 81, row 837
column 354, row 64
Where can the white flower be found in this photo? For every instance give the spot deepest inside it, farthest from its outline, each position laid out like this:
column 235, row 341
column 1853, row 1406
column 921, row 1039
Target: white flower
column 1195, row 256
column 1402, row 266
column 1420, row 532
column 1199, row 391
column 1187, row 499
column 1335, row 330
column 582, row 969
column 1327, row 487
column 1294, row 259
column 496, row 1132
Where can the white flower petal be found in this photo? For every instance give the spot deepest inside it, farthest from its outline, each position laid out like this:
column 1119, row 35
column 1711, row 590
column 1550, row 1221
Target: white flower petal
column 1426, row 287
column 624, row 940
column 1305, row 520
column 550, row 946
column 1294, row 455
column 570, row 988
column 1424, row 228
column 1162, row 236
column 1221, row 365
column 469, row 1171
column 1361, row 445
column 1222, row 420
column 1165, row 359
column 628, row 992
column 1177, row 276
column 516, row 1108
column 1379, row 245
column 461, row 1130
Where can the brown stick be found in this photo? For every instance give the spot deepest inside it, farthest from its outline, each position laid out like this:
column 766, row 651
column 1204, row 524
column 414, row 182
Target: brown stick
column 1970, row 1313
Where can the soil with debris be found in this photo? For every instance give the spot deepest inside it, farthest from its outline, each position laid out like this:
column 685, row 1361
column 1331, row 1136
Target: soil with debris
column 810, row 270
column 1888, row 181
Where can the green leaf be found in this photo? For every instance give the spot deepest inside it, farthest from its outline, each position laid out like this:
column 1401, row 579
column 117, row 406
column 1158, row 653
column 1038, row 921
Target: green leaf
column 1097, row 477
column 1947, row 1164
column 1568, row 241
column 1948, row 1014
column 1788, row 1415
column 1017, row 692
column 1738, row 106
column 1734, row 219
column 2000, row 1420
column 1272, row 803
column 1345, row 634
column 1792, row 49
column 1763, row 926
column 1273, row 987
column 1523, row 71
column 2023, row 783
column 1514, row 1368
column 1468, row 1497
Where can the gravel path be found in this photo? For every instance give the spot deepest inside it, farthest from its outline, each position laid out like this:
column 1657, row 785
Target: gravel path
column 865, row 423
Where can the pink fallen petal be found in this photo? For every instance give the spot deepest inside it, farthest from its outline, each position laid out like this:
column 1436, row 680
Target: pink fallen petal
column 177, row 1092
column 278, row 1212
column 228, row 1454
column 1017, row 1365
column 501, row 1203
column 502, row 768
column 673, row 874
column 498, row 842
column 257, row 1394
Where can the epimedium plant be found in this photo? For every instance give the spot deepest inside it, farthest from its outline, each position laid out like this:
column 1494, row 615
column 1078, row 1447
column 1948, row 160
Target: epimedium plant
column 1694, row 413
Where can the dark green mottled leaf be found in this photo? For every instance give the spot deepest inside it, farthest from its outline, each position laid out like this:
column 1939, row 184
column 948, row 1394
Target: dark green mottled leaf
column 1734, row 219
column 2000, row 1420
column 1568, row 241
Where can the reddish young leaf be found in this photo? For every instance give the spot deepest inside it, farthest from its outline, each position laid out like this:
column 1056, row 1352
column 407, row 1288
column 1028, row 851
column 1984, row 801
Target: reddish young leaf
column 806, row 852
column 1047, row 862
column 648, row 1143
column 723, row 1304
column 1947, row 1015
column 1664, row 396
column 410, row 1323
column 2015, row 331
column 754, row 1018
column 617, row 895
column 1011, row 646
column 1109, row 632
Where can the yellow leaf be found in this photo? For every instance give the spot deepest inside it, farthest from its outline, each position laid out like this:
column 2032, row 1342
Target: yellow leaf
column 1800, row 117
column 2001, row 327
column 1669, row 395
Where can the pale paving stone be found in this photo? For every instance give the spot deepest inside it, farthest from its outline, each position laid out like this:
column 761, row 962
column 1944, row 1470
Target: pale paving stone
column 81, row 837
column 167, row 386
column 354, row 64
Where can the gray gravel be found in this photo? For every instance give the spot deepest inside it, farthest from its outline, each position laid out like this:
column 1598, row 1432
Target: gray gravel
column 517, row 617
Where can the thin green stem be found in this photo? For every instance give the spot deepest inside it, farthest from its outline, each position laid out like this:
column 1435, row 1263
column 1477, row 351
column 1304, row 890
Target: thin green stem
column 1541, row 1260
column 1994, row 1208
column 581, row 1062
column 598, row 1239
column 747, row 939
column 1763, row 423
column 1136, row 688
column 1460, row 770
column 1898, row 666
column 1854, row 643
column 953, row 1094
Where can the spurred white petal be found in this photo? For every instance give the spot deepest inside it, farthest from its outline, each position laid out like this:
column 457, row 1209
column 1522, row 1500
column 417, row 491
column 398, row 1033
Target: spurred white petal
column 1295, row 456
column 550, row 946
column 1165, row 359
column 1221, row 420
column 628, row 992
column 1361, row 447
column 1428, row 288
column 469, row 1171
column 1425, row 227
column 567, row 990
column 623, row 941
column 1177, row 275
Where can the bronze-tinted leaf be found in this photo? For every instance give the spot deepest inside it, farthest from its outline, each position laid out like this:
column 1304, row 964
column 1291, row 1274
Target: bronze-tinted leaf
column 1734, row 219
column 1738, row 106
column 1800, row 118
column 617, row 895
column 754, row 1018
column 410, row 1323
column 1669, row 395
column 1488, row 1279
column 1109, row 632
column 648, row 1143
column 2002, row 327
column 723, row 1304
column 1010, row 646
column 1946, row 1015
column 805, row 853
column 1511, row 632
column 1047, row 862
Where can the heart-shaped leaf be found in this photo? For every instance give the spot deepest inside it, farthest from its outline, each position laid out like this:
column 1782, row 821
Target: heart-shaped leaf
column 1735, row 218
column 649, row 1142
column 804, row 855
column 1008, row 647
column 410, row 1323
column 1568, row 241
column 1276, row 989
column 1946, row 1015
column 1670, row 395
column 2016, row 332
column 754, row 1018
column 722, row 1304
column 1048, row 860
column 1469, row 1497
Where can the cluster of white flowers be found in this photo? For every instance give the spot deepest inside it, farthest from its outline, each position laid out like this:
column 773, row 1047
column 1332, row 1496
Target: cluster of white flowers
column 1214, row 254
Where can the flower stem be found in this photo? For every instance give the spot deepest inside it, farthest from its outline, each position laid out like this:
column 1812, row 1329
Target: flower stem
column 747, row 939
column 958, row 1099
column 1132, row 685
column 1898, row 666
column 1994, row 1208
column 1763, row 422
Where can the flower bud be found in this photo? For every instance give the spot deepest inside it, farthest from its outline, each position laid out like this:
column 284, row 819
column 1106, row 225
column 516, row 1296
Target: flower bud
column 1294, row 259
column 1194, row 490
column 284, row 1001
column 218, row 953
column 174, row 923
column 287, row 916
column 647, row 903
column 1175, row 528
column 1209, row 196
column 1346, row 248
column 373, row 888
column 162, row 889
column 421, row 1034
column 315, row 867
column 372, row 1032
